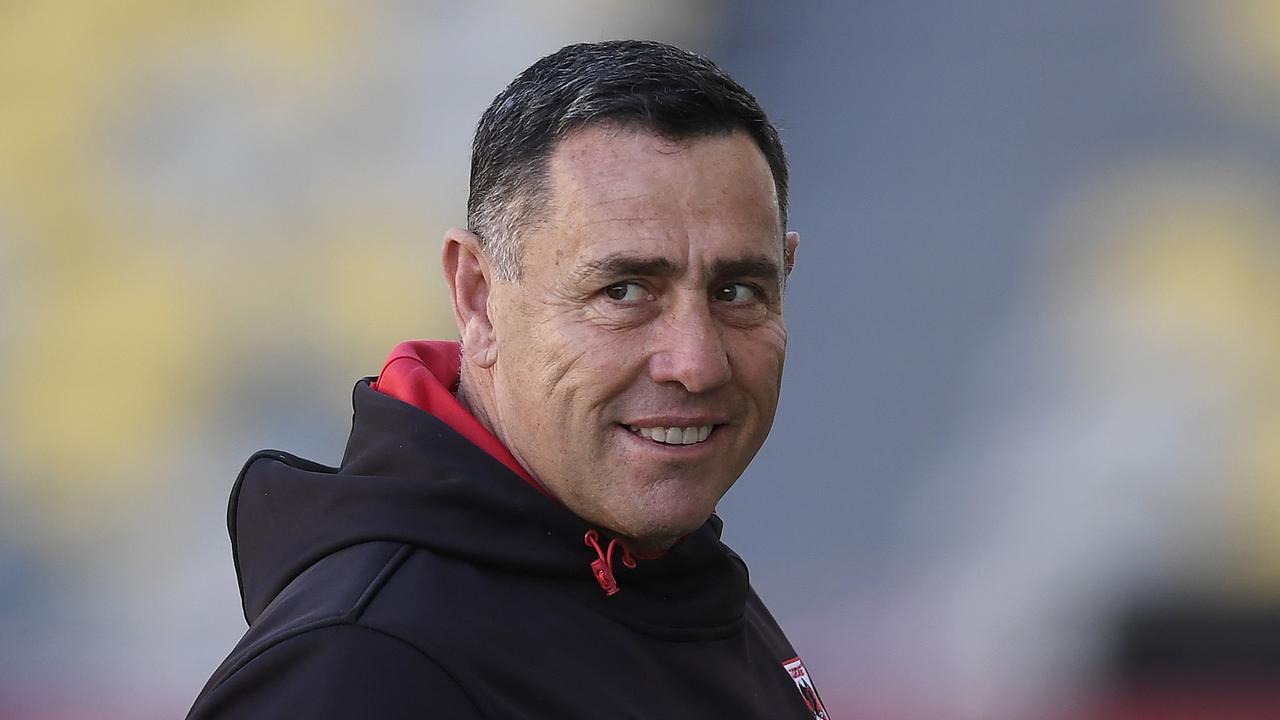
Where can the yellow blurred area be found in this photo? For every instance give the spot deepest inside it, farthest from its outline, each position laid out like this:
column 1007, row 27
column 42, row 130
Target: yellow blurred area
column 1232, row 49
column 1261, row 562
column 1209, row 274
column 1184, row 254
column 97, row 380
column 134, row 309
column 1198, row 269
column 375, row 290
column 65, row 65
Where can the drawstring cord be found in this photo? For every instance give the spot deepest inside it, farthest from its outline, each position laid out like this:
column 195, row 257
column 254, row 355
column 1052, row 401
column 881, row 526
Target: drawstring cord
column 602, row 566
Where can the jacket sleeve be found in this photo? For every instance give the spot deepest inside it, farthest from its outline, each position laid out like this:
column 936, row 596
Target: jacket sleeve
column 336, row 671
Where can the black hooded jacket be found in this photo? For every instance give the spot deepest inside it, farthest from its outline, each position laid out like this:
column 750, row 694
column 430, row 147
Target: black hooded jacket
column 423, row 579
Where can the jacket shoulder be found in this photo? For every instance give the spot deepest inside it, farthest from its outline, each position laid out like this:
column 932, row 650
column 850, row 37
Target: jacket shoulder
column 334, row 670
column 761, row 623
column 309, row 654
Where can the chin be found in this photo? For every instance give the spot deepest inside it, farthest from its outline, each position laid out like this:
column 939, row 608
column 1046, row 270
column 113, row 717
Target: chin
column 659, row 531
column 652, row 509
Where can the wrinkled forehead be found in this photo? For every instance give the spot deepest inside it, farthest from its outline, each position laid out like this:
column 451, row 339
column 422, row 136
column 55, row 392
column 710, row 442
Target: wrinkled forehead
column 625, row 179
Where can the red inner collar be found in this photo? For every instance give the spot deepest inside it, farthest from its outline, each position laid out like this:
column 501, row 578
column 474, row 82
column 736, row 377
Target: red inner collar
column 425, row 374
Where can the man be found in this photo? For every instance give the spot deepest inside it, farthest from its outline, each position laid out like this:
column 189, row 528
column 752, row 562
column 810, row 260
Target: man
column 523, row 527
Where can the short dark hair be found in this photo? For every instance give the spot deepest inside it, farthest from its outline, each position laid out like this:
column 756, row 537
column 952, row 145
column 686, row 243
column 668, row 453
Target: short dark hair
column 635, row 83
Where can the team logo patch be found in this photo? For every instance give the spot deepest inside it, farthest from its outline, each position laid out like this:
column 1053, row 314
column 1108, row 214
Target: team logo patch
column 807, row 691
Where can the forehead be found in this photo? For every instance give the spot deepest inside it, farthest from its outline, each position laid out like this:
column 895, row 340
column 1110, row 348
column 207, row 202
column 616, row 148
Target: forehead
column 612, row 186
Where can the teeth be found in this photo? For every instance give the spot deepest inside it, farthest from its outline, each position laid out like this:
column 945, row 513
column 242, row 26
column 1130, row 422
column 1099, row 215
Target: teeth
column 674, row 435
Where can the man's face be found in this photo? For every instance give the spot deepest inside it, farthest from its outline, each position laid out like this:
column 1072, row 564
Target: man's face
column 639, row 355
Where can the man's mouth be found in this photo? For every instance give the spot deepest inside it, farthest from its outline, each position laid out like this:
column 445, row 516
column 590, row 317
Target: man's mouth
column 689, row 435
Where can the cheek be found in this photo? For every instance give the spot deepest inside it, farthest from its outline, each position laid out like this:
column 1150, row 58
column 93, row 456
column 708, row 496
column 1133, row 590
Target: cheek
column 757, row 357
column 532, row 352
column 571, row 369
column 590, row 353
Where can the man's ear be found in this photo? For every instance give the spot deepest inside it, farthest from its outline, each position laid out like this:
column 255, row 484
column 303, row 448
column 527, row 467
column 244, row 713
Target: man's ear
column 789, row 253
column 470, row 279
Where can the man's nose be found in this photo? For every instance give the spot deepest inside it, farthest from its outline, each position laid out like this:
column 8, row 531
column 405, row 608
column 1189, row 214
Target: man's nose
column 688, row 349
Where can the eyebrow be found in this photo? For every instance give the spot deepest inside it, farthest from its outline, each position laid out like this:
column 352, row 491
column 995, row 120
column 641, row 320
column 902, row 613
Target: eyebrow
column 758, row 267
column 622, row 265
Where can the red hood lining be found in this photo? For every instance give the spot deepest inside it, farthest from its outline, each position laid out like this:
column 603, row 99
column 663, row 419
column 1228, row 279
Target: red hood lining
column 425, row 374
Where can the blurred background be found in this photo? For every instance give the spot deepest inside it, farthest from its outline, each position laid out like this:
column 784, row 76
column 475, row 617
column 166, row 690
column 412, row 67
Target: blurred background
column 1028, row 459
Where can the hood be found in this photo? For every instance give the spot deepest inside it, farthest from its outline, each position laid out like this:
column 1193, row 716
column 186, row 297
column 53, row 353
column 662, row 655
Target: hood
column 425, row 374
column 408, row 476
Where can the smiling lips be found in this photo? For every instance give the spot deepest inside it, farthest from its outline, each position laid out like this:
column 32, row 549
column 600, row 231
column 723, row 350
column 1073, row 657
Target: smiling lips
column 674, row 435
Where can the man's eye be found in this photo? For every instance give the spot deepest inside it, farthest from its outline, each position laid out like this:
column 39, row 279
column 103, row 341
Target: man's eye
column 627, row 292
column 738, row 293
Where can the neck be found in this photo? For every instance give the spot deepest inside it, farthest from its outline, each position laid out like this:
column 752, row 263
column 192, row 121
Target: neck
column 464, row 395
